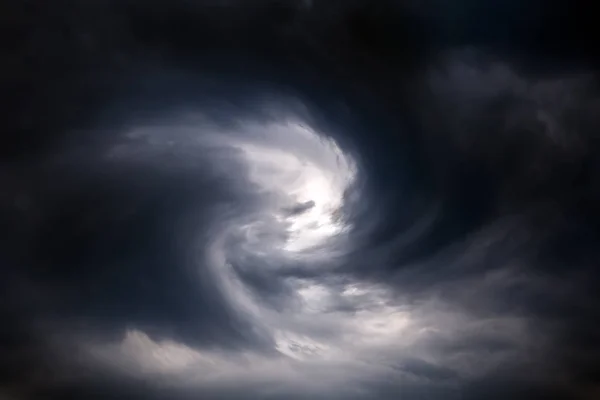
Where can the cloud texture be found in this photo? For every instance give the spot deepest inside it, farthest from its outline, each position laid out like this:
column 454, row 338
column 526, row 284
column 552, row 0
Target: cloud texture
column 298, row 199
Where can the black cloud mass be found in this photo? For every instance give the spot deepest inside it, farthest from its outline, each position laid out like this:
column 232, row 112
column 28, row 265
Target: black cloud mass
column 296, row 199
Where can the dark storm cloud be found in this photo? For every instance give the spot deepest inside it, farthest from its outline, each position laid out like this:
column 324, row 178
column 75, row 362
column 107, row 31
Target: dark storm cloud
column 475, row 211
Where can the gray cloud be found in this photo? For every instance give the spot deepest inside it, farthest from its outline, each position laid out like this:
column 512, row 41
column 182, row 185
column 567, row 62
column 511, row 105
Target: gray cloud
column 292, row 200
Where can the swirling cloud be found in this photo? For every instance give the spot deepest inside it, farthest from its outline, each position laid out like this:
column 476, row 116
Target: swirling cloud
column 296, row 200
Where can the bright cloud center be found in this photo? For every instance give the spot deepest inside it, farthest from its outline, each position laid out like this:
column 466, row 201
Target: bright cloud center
column 308, row 176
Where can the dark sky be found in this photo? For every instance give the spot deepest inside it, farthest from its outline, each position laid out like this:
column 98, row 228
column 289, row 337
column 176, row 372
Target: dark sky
column 261, row 199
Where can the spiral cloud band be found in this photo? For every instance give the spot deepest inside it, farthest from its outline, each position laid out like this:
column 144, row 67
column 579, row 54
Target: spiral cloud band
column 298, row 200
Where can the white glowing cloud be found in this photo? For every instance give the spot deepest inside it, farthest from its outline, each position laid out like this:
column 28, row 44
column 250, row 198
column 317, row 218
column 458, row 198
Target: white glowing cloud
column 300, row 167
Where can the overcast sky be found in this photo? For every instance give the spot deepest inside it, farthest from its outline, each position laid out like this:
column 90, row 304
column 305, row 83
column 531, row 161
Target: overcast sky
column 260, row 199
